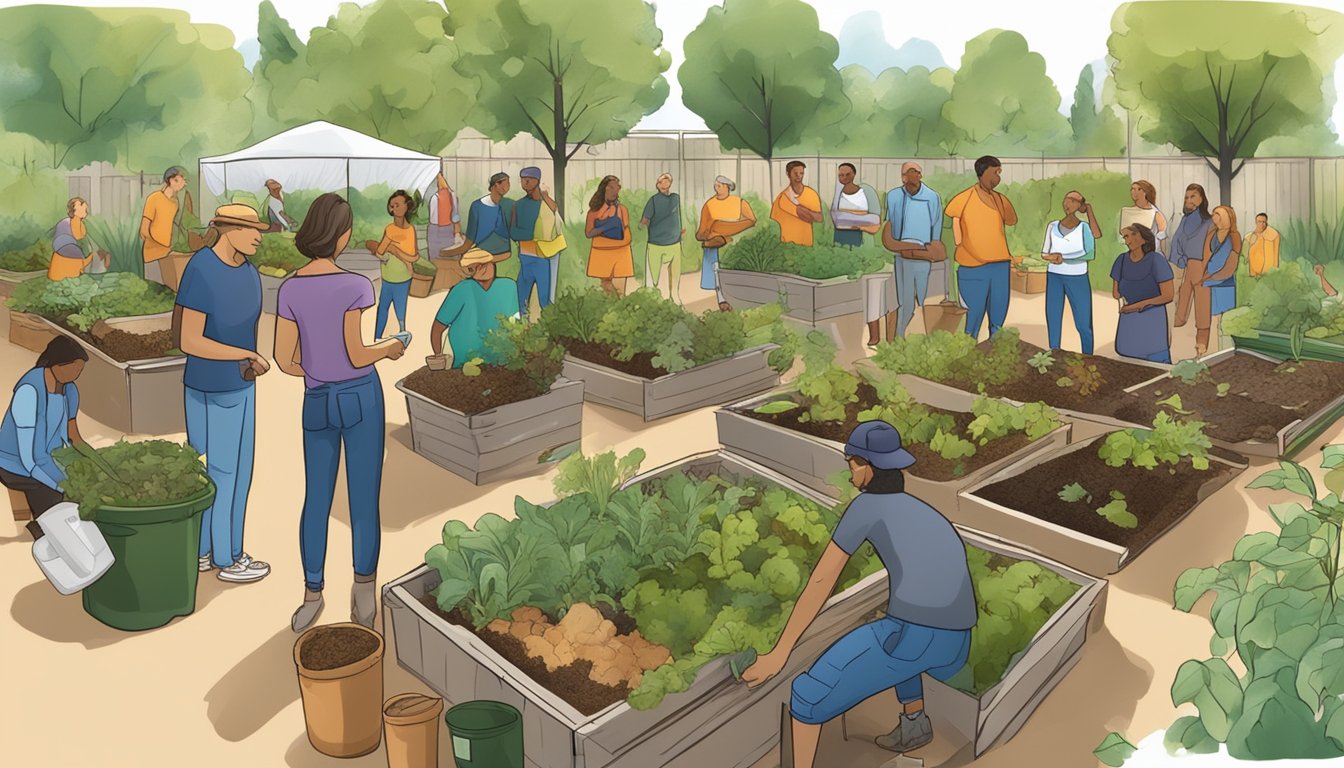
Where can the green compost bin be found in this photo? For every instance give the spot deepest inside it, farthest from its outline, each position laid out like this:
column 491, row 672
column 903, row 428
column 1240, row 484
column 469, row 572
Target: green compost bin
column 486, row 734
column 153, row 579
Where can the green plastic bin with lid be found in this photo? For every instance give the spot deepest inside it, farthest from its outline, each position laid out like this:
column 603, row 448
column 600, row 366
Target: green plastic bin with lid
column 486, row 734
column 153, row 579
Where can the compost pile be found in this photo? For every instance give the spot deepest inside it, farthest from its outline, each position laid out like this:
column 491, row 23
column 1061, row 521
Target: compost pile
column 124, row 346
column 583, row 634
column 336, row 647
column 148, row 474
column 491, row 387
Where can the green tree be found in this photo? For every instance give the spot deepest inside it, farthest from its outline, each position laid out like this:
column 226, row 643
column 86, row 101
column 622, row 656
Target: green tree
column 1003, row 102
column 384, row 69
column 896, row 114
column 1221, row 95
column 570, row 74
column 280, row 48
column 762, row 74
column 1097, row 130
column 127, row 86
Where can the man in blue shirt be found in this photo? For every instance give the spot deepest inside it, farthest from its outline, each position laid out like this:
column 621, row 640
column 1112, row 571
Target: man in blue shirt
column 488, row 222
column 931, row 604
column 217, row 311
column 914, row 233
column 1188, row 246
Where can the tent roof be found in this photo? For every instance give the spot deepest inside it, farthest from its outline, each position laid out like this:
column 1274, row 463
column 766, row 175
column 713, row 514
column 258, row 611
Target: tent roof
column 320, row 140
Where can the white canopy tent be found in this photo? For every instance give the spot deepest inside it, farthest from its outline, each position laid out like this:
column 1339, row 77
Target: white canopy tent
column 322, row 156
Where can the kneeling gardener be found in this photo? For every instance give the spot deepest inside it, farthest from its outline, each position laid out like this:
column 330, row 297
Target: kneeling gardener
column 930, row 611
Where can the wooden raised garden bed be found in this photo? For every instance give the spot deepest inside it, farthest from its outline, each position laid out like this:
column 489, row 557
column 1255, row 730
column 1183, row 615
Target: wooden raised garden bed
column 811, row 301
column 505, row 441
column 9, row 279
column 1279, row 345
column 717, row 722
column 1020, row 503
column 138, row 396
column 29, row 331
column 1269, row 407
column 809, row 460
column 715, row 383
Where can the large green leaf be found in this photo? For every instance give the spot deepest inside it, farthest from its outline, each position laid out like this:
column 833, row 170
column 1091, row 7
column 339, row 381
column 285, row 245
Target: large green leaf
column 1188, row 733
column 1321, row 672
column 1254, row 546
column 1114, row 750
column 1192, row 584
column 1213, row 688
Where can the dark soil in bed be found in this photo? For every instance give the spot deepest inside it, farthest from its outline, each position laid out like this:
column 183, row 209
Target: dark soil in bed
column 495, row 386
column 124, row 347
column 640, row 365
column 570, row 682
column 336, row 647
column 1031, row 386
column 1158, row 498
column 928, row 464
column 1263, row 397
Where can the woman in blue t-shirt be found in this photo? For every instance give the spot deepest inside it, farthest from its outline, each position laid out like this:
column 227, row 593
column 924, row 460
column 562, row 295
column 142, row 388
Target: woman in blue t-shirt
column 930, row 607
column 218, row 306
column 40, row 419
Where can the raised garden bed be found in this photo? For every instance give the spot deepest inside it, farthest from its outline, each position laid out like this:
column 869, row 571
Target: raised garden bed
column 1280, row 346
column 1029, row 503
column 10, row 279
column 499, row 441
column 1253, row 404
column 29, row 331
column 715, row 721
column 811, row 453
column 811, row 301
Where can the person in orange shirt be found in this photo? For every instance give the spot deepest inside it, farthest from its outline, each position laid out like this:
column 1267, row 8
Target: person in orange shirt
column 67, row 258
column 1263, row 243
column 797, row 207
column 721, row 218
column 156, row 230
column 608, row 226
column 979, row 215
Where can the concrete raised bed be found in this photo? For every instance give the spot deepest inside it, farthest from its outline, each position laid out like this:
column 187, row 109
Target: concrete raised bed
column 509, row 441
column 718, row 722
column 721, row 381
column 29, row 331
column 10, row 279
column 1078, row 550
column 810, row 301
column 810, row 460
column 140, row 397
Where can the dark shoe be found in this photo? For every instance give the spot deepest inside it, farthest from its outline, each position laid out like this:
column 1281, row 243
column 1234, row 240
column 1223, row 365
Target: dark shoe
column 912, row 732
column 725, row 306
column 34, row 529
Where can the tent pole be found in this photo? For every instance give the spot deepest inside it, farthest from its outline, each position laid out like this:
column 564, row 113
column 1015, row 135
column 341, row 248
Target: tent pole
column 347, row 179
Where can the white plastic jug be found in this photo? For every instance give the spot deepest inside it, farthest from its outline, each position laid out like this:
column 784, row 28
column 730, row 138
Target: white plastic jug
column 73, row 553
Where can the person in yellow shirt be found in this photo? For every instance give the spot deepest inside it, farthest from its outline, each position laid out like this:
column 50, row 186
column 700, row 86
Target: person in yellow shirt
column 1264, row 246
column 67, row 257
column 979, row 215
column 797, row 207
column 397, row 252
column 721, row 217
column 156, row 230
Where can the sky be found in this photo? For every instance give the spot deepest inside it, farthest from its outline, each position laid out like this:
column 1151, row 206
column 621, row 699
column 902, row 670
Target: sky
column 1069, row 35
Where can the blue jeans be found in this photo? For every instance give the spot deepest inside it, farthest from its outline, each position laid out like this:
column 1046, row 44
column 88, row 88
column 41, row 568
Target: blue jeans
column 533, row 271
column 912, row 287
column 888, row 653
column 1078, row 291
column 349, row 412
column 394, row 295
column 984, row 291
column 222, row 426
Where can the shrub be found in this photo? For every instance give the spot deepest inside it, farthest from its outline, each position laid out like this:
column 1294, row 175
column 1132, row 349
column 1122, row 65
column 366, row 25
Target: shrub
column 150, row 473
column 121, row 239
column 31, row 258
column 525, row 347
column 277, row 256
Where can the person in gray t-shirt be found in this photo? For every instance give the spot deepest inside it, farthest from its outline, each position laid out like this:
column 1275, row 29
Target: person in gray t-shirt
column 930, row 609
column 662, row 217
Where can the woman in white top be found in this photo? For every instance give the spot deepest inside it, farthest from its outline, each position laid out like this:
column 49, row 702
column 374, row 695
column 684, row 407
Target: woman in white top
column 1070, row 245
column 275, row 208
column 1145, row 210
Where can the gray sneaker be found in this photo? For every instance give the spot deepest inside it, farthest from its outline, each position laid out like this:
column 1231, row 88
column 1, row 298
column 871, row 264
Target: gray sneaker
column 912, row 732
column 244, row 570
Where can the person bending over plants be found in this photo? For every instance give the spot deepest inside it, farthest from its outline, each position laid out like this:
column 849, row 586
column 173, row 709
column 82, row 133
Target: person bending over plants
column 930, row 612
column 472, row 309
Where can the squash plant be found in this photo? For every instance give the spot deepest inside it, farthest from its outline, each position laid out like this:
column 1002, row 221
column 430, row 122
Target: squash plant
column 1276, row 607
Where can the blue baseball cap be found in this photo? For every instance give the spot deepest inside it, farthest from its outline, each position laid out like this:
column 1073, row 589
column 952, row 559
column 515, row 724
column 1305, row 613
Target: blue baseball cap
column 878, row 443
column 530, row 172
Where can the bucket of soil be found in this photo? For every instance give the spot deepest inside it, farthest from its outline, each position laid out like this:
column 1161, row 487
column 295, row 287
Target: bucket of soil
column 149, row 511
column 411, row 722
column 944, row 316
column 1075, row 507
column 341, row 681
column 1253, row 404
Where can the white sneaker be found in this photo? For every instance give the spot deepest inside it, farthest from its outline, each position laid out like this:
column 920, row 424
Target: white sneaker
column 205, row 564
column 245, row 569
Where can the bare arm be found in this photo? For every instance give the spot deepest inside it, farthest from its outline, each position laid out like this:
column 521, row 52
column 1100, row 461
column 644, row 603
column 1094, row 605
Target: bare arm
column 72, row 431
column 360, row 355
column 819, row 587
column 1115, row 289
column 195, row 343
column 1009, row 212
column 956, row 230
column 436, row 332
column 286, row 351
column 1092, row 223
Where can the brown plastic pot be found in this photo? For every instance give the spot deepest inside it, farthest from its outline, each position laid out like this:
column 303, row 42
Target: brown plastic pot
column 342, row 707
column 944, row 316
column 412, row 724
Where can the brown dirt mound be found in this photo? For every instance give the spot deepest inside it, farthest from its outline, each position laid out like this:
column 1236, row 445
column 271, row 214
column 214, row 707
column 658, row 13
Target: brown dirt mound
column 495, row 386
column 640, row 365
column 124, row 347
column 334, row 647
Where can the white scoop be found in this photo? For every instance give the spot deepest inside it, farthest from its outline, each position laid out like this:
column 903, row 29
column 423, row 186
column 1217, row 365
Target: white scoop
column 73, row 553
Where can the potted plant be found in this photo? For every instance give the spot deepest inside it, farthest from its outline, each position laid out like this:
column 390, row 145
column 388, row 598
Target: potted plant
column 1097, row 504
column 502, row 415
column 423, row 274
column 650, row 356
column 133, row 380
column 819, row 282
column 23, row 264
column 800, row 431
column 604, row 618
column 146, row 499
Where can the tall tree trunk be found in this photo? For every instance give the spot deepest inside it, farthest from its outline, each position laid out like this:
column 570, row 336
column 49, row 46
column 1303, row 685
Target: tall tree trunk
column 560, row 149
column 1225, row 182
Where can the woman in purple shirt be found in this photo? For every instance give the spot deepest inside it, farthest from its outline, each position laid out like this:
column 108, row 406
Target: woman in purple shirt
column 318, row 337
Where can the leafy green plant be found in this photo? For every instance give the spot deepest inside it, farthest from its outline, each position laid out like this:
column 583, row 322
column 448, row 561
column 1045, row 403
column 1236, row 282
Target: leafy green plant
column 149, row 473
column 30, row 258
column 1116, row 511
column 1041, row 361
column 1168, row 442
column 776, row 406
column 488, row 571
column 1073, row 492
column 994, row 419
column 1188, row 371
column 577, row 314
column 121, row 239
column 937, row 356
column 600, row 475
column 277, row 256
column 1082, row 375
column 1276, row 606
column 82, row 301
column 762, row 251
column 522, row 346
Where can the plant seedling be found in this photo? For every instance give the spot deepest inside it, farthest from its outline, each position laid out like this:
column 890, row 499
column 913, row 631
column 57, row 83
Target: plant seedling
column 1041, row 361
column 1117, row 512
column 472, row 367
column 1188, row 371
column 1074, row 492
column 1223, row 389
column 776, row 406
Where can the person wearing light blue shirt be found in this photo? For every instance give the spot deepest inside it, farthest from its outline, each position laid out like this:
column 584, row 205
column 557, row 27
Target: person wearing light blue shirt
column 914, row 233
column 40, row 419
column 1070, row 246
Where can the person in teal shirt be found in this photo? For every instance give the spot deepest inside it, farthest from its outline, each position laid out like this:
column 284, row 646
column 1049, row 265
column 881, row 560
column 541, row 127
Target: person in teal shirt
column 473, row 308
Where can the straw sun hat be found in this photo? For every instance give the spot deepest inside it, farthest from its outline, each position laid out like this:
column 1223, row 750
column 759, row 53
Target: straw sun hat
column 238, row 215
